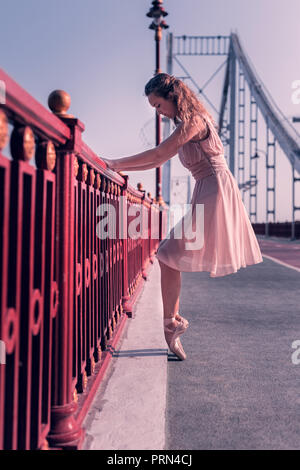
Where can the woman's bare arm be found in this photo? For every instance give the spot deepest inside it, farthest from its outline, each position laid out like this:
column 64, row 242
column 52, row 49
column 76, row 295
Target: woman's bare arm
column 141, row 161
column 156, row 156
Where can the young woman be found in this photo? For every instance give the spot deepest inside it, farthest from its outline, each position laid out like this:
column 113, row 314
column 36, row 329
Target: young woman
column 228, row 241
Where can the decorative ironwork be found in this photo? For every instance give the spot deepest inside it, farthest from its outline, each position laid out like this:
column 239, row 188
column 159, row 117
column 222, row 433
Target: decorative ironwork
column 3, row 129
column 22, row 143
column 45, row 155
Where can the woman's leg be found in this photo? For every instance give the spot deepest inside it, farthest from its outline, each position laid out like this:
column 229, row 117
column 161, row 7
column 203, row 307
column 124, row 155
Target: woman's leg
column 170, row 289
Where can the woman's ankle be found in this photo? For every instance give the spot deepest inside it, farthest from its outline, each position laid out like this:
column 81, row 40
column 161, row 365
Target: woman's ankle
column 170, row 319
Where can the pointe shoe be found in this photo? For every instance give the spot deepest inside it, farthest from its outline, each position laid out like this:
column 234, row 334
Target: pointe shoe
column 173, row 329
column 180, row 318
column 179, row 347
column 185, row 324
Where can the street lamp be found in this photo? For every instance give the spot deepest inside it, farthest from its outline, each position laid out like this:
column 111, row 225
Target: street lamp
column 157, row 12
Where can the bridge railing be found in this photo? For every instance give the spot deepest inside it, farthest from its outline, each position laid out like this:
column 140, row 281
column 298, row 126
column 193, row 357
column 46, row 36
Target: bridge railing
column 65, row 287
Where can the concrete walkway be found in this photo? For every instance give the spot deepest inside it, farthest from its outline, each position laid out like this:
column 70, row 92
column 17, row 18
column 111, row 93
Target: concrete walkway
column 128, row 411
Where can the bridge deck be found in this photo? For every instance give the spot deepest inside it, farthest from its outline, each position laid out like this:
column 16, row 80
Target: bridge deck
column 238, row 388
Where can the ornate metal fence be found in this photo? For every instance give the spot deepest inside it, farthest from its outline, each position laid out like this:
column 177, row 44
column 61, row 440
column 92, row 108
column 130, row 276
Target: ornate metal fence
column 64, row 289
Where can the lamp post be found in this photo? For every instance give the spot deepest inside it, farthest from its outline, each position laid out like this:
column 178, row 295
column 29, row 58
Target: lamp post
column 157, row 12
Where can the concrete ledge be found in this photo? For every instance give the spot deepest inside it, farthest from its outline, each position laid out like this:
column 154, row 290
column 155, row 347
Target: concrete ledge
column 128, row 411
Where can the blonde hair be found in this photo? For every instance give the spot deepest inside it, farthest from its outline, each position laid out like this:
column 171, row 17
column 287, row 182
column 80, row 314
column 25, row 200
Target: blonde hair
column 187, row 104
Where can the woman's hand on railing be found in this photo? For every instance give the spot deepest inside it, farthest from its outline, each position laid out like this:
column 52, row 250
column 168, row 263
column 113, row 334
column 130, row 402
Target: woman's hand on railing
column 109, row 164
column 141, row 161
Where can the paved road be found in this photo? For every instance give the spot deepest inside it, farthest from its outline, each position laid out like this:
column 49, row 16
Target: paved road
column 281, row 249
column 238, row 388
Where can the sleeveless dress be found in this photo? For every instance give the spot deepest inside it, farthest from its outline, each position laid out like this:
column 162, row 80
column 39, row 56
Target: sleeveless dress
column 215, row 234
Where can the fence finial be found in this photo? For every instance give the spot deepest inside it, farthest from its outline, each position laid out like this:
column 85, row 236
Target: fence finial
column 59, row 102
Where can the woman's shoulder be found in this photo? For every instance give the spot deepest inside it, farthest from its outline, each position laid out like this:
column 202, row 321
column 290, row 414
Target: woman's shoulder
column 210, row 127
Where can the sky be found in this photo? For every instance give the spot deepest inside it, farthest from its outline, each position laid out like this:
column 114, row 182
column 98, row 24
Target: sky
column 103, row 53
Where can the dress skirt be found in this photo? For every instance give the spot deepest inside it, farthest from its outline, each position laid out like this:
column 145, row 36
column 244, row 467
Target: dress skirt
column 215, row 235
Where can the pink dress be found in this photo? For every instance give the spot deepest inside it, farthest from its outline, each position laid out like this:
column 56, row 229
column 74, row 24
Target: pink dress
column 215, row 234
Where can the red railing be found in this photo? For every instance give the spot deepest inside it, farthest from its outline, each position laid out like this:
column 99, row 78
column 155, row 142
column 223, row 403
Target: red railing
column 64, row 288
column 277, row 229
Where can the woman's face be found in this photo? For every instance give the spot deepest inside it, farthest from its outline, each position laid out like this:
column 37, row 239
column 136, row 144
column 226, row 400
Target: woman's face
column 165, row 107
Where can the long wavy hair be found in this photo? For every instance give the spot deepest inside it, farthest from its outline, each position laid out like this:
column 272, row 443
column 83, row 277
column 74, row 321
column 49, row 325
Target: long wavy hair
column 186, row 102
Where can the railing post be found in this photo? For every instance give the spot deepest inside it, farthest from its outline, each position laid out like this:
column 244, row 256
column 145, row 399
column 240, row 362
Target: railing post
column 143, row 218
column 64, row 431
column 124, row 236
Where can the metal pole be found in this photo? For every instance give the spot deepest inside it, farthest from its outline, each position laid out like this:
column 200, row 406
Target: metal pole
column 166, row 173
column 232, row 108
column 293, row 203
column 158, row 117
column 157, row 12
